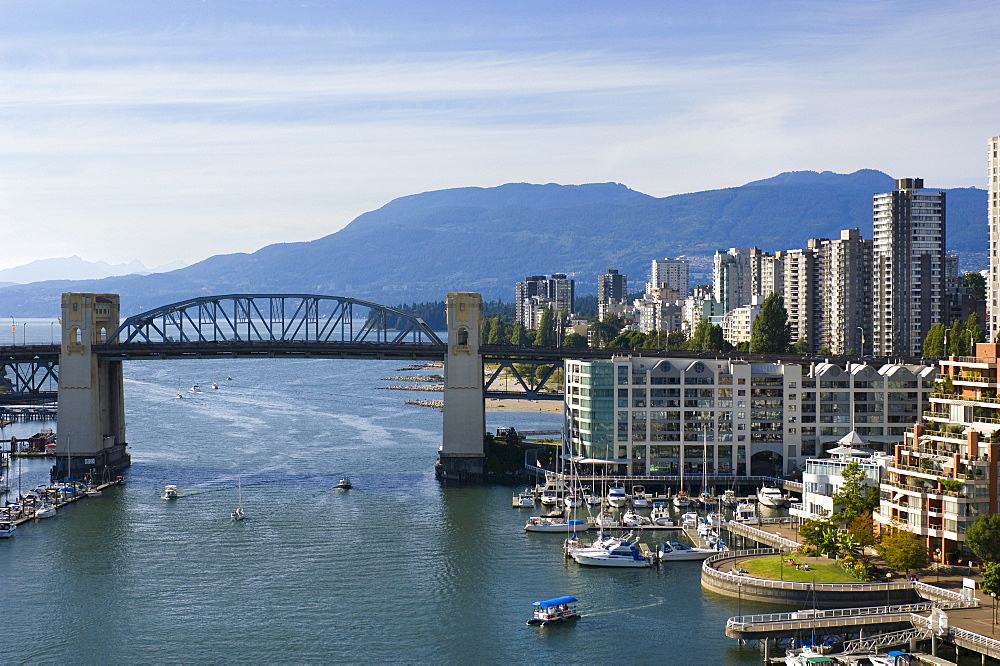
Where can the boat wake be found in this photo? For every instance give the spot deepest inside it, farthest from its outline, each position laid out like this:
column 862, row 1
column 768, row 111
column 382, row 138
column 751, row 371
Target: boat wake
column 618, row 611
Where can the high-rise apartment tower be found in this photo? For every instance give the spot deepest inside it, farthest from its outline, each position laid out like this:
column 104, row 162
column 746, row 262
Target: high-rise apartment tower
column 908, row 267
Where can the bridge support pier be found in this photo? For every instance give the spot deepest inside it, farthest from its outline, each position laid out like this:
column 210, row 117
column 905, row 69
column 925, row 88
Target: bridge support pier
column 461, row 456
column 91, row 421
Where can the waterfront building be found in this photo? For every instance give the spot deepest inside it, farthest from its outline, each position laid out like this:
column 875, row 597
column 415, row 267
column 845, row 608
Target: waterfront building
column 612, row 289
column 945, row 473
column 649, row 416
column 908, row 267
column 823, row 477
column 993, row 213
column 540, row 292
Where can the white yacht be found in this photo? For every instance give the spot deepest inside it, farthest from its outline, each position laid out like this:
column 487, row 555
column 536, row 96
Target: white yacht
column 556, row 524
column 523, row 500
column 591, row 499
column 170, row 492
column 7, row 527
column 672, row 551
column 45, row 510
column 617, row 497
column 633, row 519
column 572, row 500
column 660, row 515
column 729, row 499
column 553, row 491
column 771, row 496
column 746, row 512
column 621, row 552
column 607, row 520
column 639, row 499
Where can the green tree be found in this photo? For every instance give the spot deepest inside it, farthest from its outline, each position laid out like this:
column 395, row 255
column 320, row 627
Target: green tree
column 974, row 330
column 801, row 346
column 934, row 342
column 977, row 283
column 575, row 341
column 854, row 496
column 519, row 335
column 500, row 332
column 701, row 339
column 958, row 340
column 811, row 532
column 770, row 332
column 604, row 331
column 545, row 336
column 991, row 579
column 628, row 340
column 983, row 537
column 716, row 339
column 903, row 551
column 829, row 541
column 484, row 330
column 677, row 340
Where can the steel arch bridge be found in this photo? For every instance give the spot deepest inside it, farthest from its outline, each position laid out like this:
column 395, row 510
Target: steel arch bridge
column 274, row 318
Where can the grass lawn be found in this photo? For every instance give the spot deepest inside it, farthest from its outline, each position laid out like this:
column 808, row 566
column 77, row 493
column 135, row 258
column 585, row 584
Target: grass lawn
column 821, row 569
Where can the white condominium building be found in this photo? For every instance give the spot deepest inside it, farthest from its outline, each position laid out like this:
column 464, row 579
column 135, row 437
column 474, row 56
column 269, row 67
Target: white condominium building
column 651, row 416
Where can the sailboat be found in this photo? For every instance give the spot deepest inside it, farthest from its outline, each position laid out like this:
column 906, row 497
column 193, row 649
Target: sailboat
column 705, row 498
column 238, row 514
column 681, row 499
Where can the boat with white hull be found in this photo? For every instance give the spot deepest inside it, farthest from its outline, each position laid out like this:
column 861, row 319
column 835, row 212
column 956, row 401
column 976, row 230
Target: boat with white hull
column 673, row 551
column 556, row 524
column 617, row 497
column 622, row 552
column 771, row 496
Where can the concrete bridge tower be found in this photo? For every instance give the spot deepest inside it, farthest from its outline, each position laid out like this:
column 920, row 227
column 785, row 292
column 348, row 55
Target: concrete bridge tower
column 462, row 456
column 91, row 422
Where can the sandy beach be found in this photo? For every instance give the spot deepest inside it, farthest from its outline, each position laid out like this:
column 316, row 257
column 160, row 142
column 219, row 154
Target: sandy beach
column 547, row 406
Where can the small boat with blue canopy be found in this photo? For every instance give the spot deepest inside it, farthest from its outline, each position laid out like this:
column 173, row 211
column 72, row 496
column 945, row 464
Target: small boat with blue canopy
column 550, row 611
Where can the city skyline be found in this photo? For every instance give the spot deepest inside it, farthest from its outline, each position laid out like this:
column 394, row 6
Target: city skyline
column 187, row 129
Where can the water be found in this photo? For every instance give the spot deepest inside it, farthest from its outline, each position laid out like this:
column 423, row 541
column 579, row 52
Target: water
column 397, row 569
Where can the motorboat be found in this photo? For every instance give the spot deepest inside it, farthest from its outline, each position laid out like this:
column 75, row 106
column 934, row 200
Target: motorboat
column 229, row 379
column 621, row 552
column 180, row 396
column 553, row 491
column 639, row 499
column 689, row 519
column 170, row 492
column 195, row 389
column 554, row 611
column 633, row 519
column 617, row 497
column 771, row 496
column 572, row 500
column 729, row 499
column 523, row 500
column 681, row 499
column 556, row 524
column 92, row 491
column 606, row 519
column 808, row 655
column 660, row 515
column 344, row 484
column 7, row 527
column 890, row 658
column 215, row 385
column 672, row 551
column 746, row 512
column 237, row 514
column 45, row 510
column 591, row 499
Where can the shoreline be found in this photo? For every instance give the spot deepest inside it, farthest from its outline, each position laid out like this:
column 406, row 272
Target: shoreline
column 511, row 405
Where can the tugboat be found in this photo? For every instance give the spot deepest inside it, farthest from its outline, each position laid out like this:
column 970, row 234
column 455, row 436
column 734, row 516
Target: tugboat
column 344, row 484
column 551, row 611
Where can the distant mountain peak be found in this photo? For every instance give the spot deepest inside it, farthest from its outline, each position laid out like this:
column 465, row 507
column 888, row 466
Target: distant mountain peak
column 862, row 178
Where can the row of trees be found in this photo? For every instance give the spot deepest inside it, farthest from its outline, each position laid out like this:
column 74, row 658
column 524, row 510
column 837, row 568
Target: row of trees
column 957, row 340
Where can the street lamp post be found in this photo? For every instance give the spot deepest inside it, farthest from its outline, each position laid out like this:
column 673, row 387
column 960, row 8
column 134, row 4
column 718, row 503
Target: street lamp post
column 993, row 628
column 52, row 337
column 24, row 333
column 888, row 577
column 862, row 332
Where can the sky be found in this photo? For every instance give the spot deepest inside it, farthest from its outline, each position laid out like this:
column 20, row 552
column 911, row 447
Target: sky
column 173, row 130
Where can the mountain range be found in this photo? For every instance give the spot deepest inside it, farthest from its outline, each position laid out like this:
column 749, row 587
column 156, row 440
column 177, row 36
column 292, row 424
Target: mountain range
column 422, row 246
column 75, row 268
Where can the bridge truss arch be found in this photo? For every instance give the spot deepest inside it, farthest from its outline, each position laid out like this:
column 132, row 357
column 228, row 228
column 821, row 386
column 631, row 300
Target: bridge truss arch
column 274, row 318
